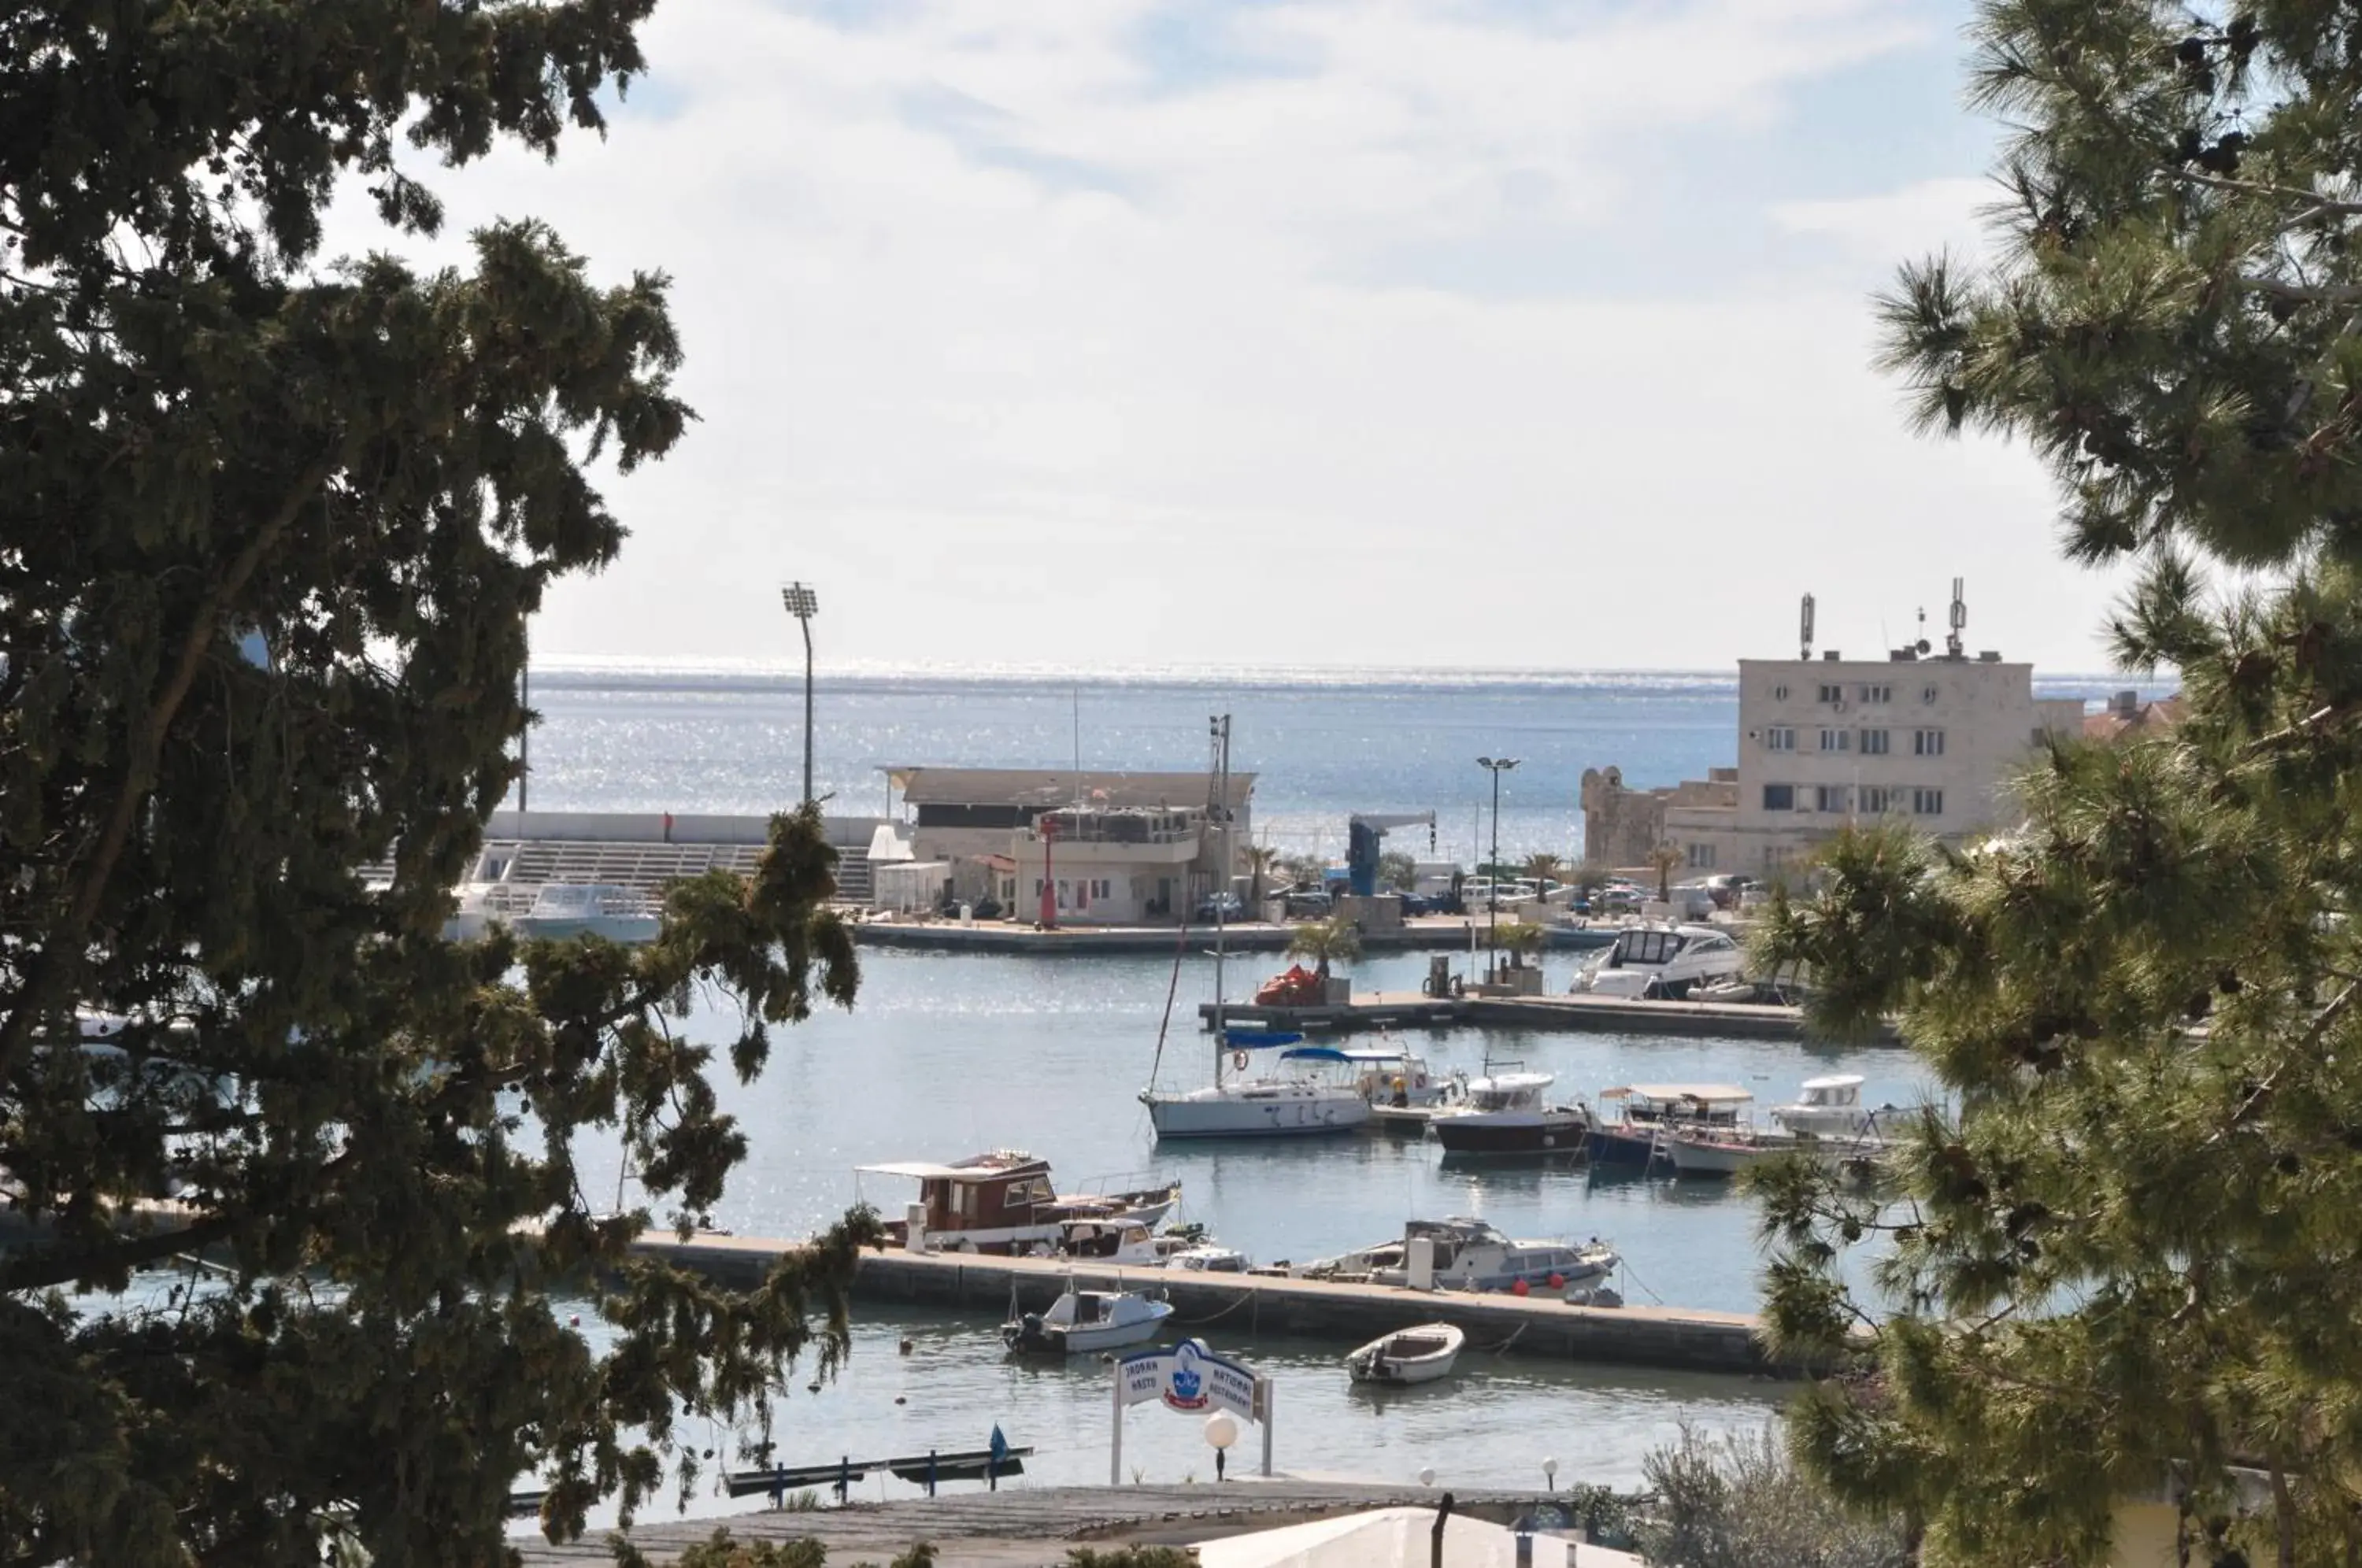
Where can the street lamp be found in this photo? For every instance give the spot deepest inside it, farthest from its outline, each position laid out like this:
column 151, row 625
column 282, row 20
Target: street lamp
column 1496, row 765
column 1221, row 1431
column 803, row 604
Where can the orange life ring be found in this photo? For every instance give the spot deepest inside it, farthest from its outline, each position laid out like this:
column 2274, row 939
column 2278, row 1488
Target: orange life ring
column 1239, row 1060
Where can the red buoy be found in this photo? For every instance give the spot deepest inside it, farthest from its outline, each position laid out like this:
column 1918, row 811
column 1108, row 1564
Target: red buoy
column 1520, row 1289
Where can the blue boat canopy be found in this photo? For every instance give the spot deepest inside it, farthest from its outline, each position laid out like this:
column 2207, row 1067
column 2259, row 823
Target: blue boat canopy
column 1314, row 1053
column 1261, row 1038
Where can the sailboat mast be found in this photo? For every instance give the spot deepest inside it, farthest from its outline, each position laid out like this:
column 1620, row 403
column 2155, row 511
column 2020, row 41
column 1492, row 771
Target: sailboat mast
column 1221, row 734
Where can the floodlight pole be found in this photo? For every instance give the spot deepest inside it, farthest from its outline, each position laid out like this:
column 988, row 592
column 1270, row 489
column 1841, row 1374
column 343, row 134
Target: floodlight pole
column 1496, row 765
column 802, row 603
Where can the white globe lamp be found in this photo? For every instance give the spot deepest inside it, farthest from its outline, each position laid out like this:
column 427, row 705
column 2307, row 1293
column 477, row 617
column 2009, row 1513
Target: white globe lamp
column 1221, row 1431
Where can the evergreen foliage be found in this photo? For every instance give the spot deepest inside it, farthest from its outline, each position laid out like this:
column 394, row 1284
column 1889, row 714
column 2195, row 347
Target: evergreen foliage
column 1738, row 1502
column 269, row 531
column 1336, row 939
column 2125, row 1257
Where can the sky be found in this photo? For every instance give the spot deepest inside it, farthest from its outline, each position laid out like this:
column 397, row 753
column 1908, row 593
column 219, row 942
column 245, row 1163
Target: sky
column 1486, row 334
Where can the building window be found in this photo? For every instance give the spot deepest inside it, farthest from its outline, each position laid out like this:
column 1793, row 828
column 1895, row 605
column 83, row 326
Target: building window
column 1926, row 743
column 1779, row 694
column 1873, row 742
column 1829, row 797
column 1927, row 802
column 1877, row 800
column 1832, row 694
column 1781, row 739
column 1702, row 857
column 1779, row 797
column 1927, row 694
column 1878, row 693
column 1837, row 740
column 1100, row 891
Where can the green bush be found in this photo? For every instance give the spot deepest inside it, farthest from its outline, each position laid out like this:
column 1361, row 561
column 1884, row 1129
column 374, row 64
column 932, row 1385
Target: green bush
column 1131, row 1557
column 1737, row 1502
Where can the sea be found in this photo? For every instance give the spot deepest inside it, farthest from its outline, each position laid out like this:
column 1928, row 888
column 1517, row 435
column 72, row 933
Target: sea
column 947, row 1055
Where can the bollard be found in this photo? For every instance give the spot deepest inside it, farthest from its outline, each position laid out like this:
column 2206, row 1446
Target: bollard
column 843, row 1477
column 930, row 1472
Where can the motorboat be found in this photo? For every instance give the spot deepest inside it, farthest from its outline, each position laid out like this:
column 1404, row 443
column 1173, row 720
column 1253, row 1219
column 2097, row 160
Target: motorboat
column 1510, row 1113
column 1649, row 1110
column 562, row 910
column 1003, row 1202
column 1390, row 1077
column 1207, row 1258
column 1663, row 962
column 1830, row 1108
column 1421, row 1355
column 1290, row 1099
column 1081, row 1322
column 1723, row 1152
column 1469, row 1254
column 1126, row 1243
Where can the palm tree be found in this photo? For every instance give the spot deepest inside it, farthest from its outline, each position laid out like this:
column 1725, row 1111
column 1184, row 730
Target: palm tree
column 1522, row 939
column 1664, row 857
column 1336, row 938
column 1261, row 859
column 1544, row 867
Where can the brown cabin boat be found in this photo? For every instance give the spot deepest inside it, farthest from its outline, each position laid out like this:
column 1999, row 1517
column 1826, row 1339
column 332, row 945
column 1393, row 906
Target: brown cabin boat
column 1004, row 1202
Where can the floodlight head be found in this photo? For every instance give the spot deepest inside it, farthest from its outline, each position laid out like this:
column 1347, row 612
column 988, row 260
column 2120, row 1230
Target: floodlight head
column 801, row 601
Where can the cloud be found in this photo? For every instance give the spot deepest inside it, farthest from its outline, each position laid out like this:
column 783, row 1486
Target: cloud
column 1298, row 331
column 1921, row 218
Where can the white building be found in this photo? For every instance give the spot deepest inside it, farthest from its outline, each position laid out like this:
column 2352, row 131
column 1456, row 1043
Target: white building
column 1828, row 742
column 1122, row 847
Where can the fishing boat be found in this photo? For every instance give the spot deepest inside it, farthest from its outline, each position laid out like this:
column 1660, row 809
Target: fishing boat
column 1830, row 1108
column 1510, row 1113
column 1468, row 1254
column 1421, row 1355
column 1081, row 1322
column 1647, row 1109
column 1003, row 1202
column 1725, row 1151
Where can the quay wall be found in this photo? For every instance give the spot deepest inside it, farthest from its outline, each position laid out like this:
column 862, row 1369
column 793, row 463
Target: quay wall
column 1254, row 936
column 1614, row 1015
column 1227, row 1308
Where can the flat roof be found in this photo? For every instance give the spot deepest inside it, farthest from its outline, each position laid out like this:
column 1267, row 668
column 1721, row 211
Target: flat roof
column 1835, row 1080
column 1055, row 786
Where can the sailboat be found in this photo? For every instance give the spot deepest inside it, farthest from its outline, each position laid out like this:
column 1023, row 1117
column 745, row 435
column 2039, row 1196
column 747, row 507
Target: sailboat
column 1290, row 1098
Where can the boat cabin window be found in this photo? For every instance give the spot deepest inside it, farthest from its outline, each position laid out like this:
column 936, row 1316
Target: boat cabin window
column 1032, row 1189
column 1648, row 946
column 1090, row 1307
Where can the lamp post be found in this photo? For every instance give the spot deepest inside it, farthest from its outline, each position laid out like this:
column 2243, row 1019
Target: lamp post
column 1221, row 1431
column 802, row 603
column 1496, row 765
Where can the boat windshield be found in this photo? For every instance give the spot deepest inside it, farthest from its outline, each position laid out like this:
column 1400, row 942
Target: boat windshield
column 1645, row 946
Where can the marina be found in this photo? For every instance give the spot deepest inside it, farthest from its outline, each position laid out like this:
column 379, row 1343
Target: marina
column 1384, row 1011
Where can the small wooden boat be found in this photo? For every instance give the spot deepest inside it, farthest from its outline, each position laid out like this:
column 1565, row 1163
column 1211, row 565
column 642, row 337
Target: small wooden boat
column 1412, row 1355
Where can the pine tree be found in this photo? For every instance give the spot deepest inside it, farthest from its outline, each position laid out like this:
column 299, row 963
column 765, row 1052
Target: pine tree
column 2124, row 1255
column 269, row 530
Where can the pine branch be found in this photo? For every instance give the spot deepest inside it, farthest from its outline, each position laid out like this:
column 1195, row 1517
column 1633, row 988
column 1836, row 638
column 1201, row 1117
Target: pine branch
column 2319, row 206
column 61, row 1266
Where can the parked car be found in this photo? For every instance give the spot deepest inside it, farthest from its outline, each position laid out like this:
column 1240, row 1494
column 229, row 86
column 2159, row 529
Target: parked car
column 1414, row 903
column 1727, row 890
column 1308, row 903
column 1219, row 906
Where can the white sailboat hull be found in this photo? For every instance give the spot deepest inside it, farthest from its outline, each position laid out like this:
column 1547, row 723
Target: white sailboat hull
column 1258, row 1110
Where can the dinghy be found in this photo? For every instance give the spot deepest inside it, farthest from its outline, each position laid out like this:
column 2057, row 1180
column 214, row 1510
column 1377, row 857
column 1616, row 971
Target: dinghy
column 1412, row 1355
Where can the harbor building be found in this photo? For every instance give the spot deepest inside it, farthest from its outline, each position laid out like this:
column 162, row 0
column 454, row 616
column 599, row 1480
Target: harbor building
column 1926, row 738
column 1112, row 849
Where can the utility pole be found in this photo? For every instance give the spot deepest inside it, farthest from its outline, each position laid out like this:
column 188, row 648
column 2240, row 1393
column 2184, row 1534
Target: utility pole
column 1496, row 765
column 802, row 603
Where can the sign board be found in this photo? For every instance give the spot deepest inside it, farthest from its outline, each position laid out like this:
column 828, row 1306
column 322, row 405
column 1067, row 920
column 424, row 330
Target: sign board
column 1192, row 1379
column 1189, row 1378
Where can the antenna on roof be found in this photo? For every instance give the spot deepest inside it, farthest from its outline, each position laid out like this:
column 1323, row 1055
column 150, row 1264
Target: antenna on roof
column 1805, row 629
column 1954, row 644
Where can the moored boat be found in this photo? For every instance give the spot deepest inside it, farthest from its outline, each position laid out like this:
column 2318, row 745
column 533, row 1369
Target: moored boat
column 1509, row 1113
column 1003, row 1202
column 1830, row 1108
column 1468, row 1254
column 562, row 910
column 1081, row 1322
column 1421, row 1355
column 1648, row 1111
column 1290, row 1099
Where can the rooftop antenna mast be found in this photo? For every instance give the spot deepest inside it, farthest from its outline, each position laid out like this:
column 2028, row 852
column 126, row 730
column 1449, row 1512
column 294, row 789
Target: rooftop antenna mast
column 1805, row 629
column 1954, row 644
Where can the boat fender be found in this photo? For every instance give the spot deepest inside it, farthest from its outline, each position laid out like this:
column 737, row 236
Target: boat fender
column 1239, row 1060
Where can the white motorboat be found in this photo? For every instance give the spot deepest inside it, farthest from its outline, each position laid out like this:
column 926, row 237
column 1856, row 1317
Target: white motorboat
column 561, row 909
column 1470, row 1254
column 1393, row 1078
column 1722, row 1152
column 1650, row 1110
column 1414, row 1355
column 1830, row 1108
column 1207, row 1258
column 1510, row 1113
column 1663, row 962
column 1125, row 1243
column 1081, row 1322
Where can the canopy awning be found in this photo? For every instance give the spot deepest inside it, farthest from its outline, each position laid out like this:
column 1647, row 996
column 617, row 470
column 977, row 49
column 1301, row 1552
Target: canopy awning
column 1835, row 1080
column 1314, row 1053
column 1713, row 1094
column 1261, row 1038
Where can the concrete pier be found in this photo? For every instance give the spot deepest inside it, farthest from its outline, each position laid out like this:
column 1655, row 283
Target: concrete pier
column 1227, row 1307
column 1426, row 934
column 1613, row 1015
